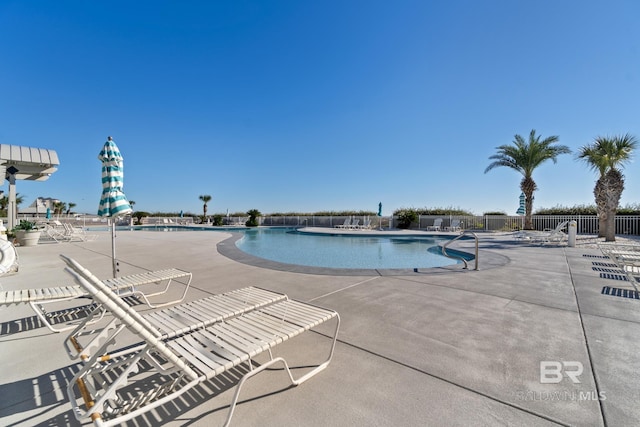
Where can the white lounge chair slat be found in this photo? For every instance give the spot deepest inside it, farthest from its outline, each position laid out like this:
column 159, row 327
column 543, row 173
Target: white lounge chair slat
column 295, row 313
column 204, row 312
column 184, row 316
column 252, row 294
column 268, row 328
column 185, row 351
column 250, row 335
column 222, row 348
column 7, row 297
column 210, row 308
column 164, row 322
column 217, row 349
column 270, row 324
column 232, row 339
column 220, row 305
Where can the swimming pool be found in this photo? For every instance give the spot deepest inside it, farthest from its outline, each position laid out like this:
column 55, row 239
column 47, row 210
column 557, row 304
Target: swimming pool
column 345, row 251
column 285, row 245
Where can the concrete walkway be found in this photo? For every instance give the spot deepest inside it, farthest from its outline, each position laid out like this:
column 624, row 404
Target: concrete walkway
column 433, row 348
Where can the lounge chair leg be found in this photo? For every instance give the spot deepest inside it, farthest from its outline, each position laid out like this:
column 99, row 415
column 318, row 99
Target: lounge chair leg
column 295, row 382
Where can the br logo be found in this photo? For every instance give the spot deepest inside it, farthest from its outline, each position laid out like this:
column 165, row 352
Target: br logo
column 552, row 372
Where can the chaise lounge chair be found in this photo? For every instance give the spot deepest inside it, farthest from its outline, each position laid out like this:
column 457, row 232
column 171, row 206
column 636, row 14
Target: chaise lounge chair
column 454, row 226
column 123, row 386
column 437, row 223
column 78, row 233
column 626, row 257
column 346, row 224
column 124, row 286
column 557, row 235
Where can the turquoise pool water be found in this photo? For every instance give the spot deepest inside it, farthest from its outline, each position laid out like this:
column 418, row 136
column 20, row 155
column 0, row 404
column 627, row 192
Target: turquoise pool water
column 342, row 251
column 287, row 246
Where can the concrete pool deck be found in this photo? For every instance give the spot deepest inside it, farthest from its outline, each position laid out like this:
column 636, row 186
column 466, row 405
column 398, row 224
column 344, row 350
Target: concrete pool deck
column 438, row 347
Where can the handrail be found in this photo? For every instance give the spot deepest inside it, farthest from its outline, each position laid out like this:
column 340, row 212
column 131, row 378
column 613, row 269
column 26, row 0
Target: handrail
column 466, row 265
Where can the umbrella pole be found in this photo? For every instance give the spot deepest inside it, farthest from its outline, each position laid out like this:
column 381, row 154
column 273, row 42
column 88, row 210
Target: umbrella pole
column 113, row 248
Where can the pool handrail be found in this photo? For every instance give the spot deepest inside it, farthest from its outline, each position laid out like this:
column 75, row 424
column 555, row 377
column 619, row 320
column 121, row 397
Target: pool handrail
column 466, row 264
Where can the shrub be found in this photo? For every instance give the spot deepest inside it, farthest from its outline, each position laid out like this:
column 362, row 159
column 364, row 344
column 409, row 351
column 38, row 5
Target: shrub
column 406, row 217
column 253, row 218
column 138, row 215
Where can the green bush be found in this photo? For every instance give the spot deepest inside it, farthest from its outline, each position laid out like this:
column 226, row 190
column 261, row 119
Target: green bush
column 436, row 211
column 217, row 220
column 138, row 215
column 253, row 218
column 406, row 217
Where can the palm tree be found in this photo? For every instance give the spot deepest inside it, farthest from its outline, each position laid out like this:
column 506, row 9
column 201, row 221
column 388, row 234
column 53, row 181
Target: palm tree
column 206, row 199
column 71, row 205
column 524, row 156
column 607, row 155
column 59, row 207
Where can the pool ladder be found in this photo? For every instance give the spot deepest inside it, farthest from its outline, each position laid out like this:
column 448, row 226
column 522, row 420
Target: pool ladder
column 466, row 264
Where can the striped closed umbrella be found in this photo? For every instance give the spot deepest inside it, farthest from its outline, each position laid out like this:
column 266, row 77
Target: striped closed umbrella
column 521, row 209
column 113, row 201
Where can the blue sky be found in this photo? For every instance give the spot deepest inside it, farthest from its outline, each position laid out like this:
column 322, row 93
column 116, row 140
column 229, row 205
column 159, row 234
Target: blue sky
column 312, row 106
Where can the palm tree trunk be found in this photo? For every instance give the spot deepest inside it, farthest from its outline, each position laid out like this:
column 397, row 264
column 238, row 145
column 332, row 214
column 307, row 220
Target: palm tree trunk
column 600, row 193
column 610, row 232
column 528, row 186
column 614, row 182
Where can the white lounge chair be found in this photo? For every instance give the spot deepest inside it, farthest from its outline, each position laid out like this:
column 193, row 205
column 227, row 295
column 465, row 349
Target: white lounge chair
column 176, row 320
column 366, row 225
column 77, row 233
column 54, row 233
column 454, row 226
column 626, row 257
column 120, row 387
column 557, row 235
column 354, row 224
column 346, row 224
column 124, row 286
column 437, row 223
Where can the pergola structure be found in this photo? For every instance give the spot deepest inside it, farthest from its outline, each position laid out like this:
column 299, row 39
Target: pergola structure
column 28, row 163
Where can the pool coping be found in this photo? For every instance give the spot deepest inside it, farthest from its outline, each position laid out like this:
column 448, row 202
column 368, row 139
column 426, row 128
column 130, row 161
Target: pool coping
column 229, row 249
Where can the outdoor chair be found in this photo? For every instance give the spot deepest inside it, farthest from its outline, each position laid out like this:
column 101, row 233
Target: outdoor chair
column 57, row 234
column 454, row 226
column 437, row 223
column 366, row 225
column 626, row 257
column 77, row 233
column 346, row 224
column 557, row 235
column 176, row 320
column 123, row 286
column 163, row 367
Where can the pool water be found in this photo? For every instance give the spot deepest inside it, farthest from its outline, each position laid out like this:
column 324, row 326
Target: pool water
column 342, row 251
